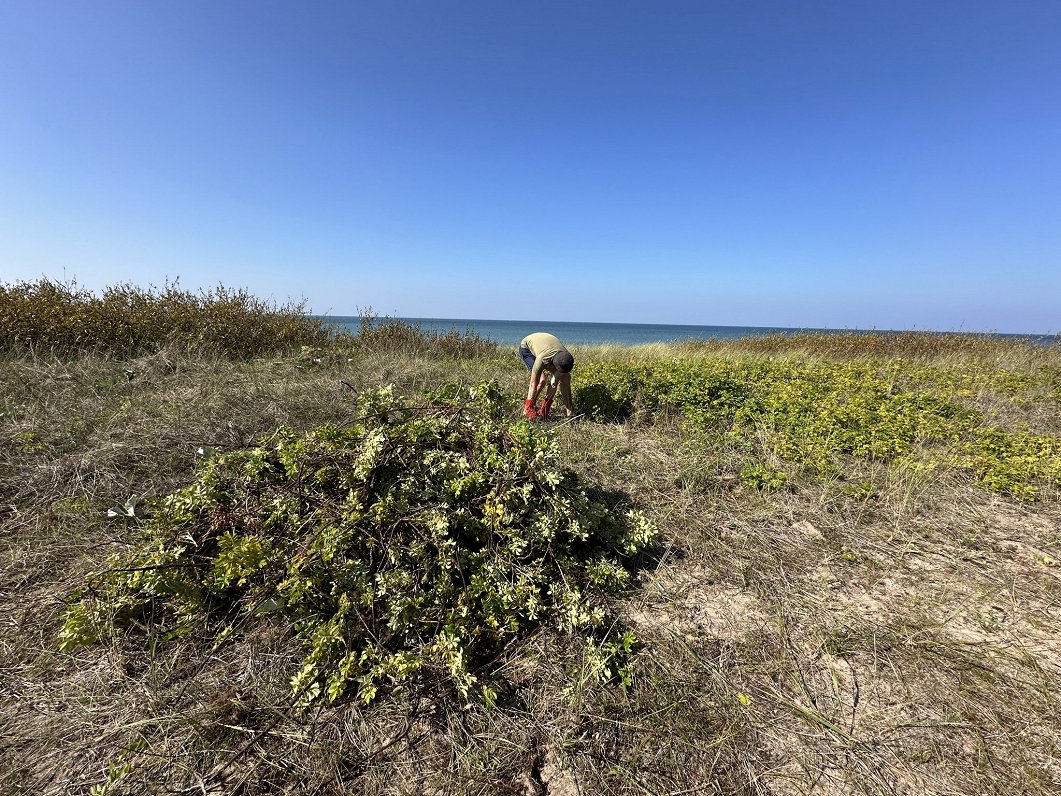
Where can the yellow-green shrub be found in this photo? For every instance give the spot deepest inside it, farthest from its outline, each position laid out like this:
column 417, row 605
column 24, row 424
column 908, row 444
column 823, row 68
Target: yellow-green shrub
column 815, row 413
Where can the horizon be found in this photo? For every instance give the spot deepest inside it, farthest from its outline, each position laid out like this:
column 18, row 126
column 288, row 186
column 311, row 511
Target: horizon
column 751, row 164
column 528, row 321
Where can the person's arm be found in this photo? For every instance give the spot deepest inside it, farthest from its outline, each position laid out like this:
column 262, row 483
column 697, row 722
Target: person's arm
column 563, row 381
column 537, row 379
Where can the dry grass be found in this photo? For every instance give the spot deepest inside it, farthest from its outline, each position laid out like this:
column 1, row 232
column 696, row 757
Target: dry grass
column 884, row 345
column 812, row 639
column 126, row 320
column 390, row 336
column 1013, row 353
column 904, row 643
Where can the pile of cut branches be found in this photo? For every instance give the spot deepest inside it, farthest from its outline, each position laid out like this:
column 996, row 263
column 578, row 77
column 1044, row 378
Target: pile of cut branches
column 410, row 544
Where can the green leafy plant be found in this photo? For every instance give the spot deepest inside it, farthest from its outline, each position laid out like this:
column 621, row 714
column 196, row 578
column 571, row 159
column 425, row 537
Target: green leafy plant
column 118, row 769
column 815, row 414
column 762, row 477
column 412, row 544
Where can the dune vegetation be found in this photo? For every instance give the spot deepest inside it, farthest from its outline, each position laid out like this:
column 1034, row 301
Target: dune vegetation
column 243, row 553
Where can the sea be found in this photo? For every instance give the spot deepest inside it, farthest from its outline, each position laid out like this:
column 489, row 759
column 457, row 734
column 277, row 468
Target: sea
column 579, row 333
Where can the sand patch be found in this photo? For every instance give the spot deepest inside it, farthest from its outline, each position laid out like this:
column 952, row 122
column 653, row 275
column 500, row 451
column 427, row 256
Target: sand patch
column 694, row 605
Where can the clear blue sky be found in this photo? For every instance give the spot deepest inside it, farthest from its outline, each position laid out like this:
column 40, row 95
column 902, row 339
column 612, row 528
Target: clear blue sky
column 892, row 164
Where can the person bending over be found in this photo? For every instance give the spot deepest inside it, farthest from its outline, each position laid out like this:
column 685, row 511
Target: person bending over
column 550, row 366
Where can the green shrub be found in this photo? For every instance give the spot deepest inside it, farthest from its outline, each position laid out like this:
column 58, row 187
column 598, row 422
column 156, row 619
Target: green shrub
column 412, row 544
column 1012, row 463
column 607, row 390
column 814, row 414
column 762, row 477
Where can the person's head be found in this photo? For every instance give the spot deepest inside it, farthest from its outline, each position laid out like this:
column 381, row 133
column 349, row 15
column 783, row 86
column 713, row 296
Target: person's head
column 563, row 362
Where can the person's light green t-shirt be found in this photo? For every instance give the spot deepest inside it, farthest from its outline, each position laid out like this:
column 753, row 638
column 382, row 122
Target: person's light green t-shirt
column 544, row 346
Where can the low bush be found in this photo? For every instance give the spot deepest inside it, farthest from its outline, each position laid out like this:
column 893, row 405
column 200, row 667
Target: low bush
column 411, row 544
column 812, row 414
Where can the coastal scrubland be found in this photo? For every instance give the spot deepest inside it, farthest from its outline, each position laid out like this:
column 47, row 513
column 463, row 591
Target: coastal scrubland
column 232, row 547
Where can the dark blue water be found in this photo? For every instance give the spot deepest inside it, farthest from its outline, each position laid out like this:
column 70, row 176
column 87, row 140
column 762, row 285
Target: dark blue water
column 574, row 333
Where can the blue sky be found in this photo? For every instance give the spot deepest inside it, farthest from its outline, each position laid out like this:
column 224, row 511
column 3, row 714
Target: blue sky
column 751, row 162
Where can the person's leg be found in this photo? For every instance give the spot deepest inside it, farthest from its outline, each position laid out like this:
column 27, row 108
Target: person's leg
column 551, row 390
column 565, row 392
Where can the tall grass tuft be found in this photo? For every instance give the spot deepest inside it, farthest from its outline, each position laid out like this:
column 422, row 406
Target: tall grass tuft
column 382, row 335
column 876, row 345
column 127, row 320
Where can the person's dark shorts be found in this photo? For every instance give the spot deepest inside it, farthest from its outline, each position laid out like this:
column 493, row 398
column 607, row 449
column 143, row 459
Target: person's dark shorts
column 527, row 357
